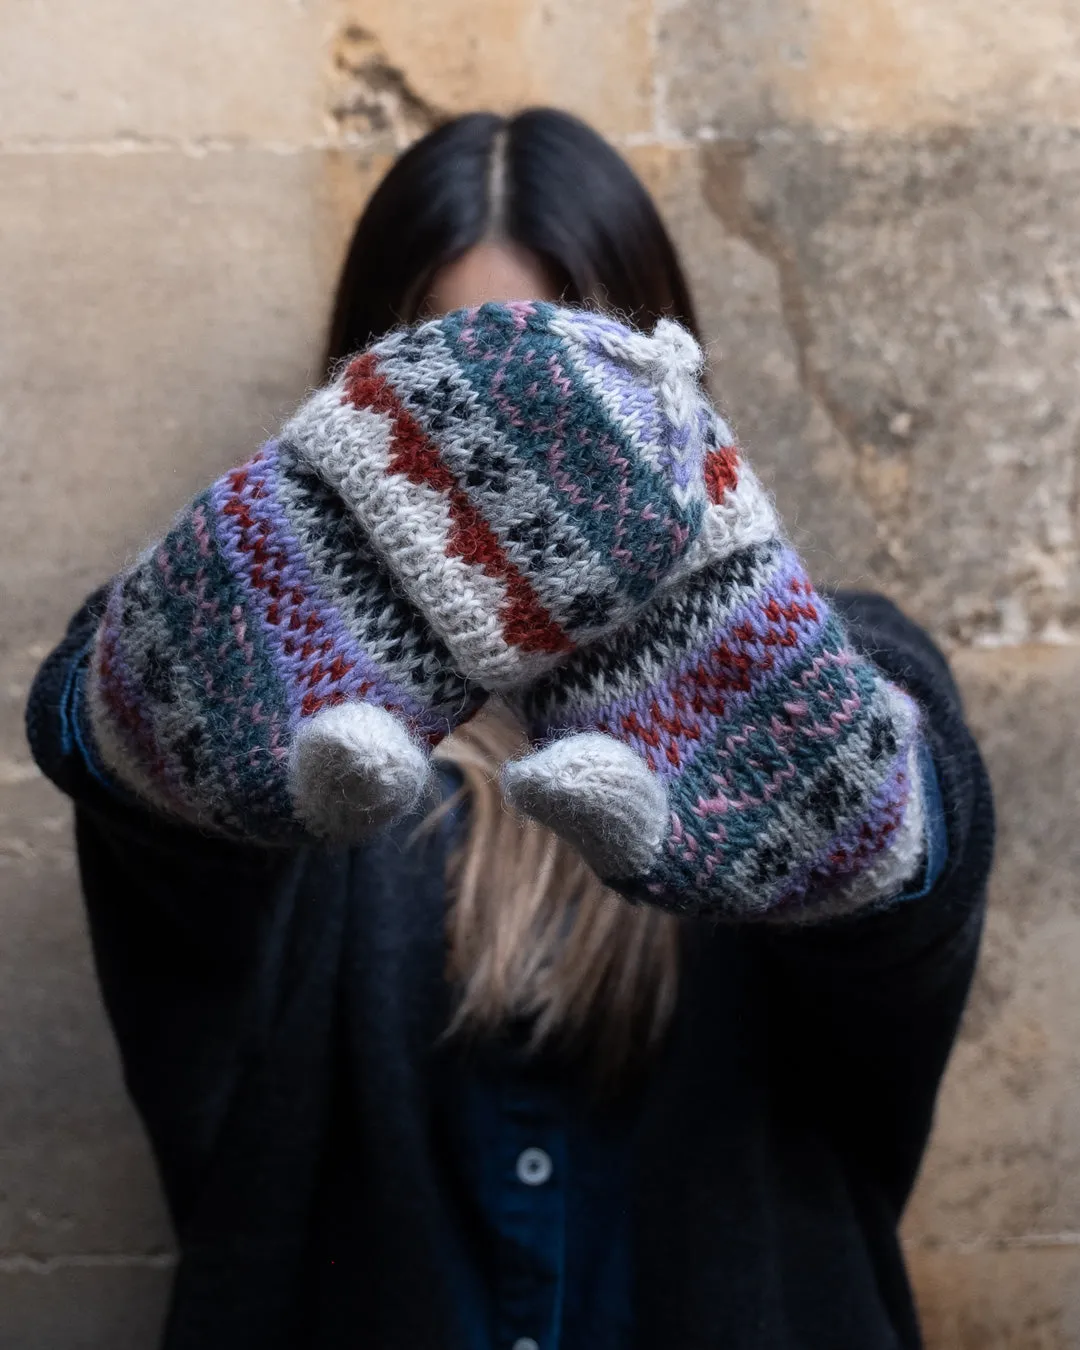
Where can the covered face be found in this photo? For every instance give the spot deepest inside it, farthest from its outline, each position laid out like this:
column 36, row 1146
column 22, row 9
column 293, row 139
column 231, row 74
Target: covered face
column 532, row 475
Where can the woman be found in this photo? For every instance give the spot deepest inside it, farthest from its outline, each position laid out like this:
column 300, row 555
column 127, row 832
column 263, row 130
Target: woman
column 441, row 1087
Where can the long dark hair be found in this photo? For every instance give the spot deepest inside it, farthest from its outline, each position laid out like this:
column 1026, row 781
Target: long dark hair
column 532, row 934
column 542, row 179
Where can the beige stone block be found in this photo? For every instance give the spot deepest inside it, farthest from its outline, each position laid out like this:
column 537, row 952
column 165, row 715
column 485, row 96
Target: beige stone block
column 877, row 65
column 92, row 1306
column 75, row 1170
column 866, row 65
column 716, row 64
column 930, row 289
column 148, row 69
column 132, row 75
column 165, row 313
column 1023, row 1299
column 455, row 56
column 1004, row 1164
column 757, row 373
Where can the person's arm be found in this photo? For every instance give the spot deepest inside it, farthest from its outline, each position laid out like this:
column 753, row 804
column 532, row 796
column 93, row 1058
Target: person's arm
column 733, row 754
column 188, row 929
column 865, row 1010
column 62, row 742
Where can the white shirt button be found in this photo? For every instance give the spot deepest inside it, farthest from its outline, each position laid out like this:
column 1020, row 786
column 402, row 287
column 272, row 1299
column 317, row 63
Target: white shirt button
column 526, row 1343
column 533, row 1169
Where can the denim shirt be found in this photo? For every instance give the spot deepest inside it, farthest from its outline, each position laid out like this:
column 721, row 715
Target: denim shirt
column 542, row 1165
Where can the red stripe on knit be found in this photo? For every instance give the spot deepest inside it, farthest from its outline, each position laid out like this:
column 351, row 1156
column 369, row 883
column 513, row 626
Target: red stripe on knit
column 721, row 472
column 702, row 690
column 526, row 623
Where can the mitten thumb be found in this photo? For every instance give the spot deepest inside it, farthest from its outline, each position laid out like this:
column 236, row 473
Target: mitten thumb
column 599, row 795
column 352, row 768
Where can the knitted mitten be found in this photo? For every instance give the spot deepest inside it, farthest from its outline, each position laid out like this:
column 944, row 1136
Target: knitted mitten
column 465, row 504
column 733, row 754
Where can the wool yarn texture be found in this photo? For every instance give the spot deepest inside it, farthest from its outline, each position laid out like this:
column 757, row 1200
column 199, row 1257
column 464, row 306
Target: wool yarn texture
column 469, row 503
column 729, row 752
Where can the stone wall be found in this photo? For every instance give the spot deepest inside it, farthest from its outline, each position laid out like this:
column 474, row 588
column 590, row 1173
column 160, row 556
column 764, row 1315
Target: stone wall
column 878, row 205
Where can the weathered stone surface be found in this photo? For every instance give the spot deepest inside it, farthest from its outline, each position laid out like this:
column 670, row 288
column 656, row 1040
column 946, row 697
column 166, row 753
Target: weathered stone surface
column 84, row 1307
column 1005, row 1160
column 457, row 55
column 757, row 372
column 76, row 1171
column 930, row 291
column 164, row 312
column 1019, row 1299
column 875, row 65
column 865, row 65
column 877, row 208
column 719, row 63
column 1022, row 705
column 146, row 69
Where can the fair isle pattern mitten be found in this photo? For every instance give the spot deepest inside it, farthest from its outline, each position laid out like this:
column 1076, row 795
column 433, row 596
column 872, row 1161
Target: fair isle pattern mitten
column 729, row 753
column 463, row 506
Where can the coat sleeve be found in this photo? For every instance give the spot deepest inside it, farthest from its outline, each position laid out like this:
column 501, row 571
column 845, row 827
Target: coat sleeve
column 191, row 934
column 866, row 1009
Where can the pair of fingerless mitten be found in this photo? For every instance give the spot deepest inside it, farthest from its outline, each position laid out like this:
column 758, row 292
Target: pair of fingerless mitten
column 540, row 503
